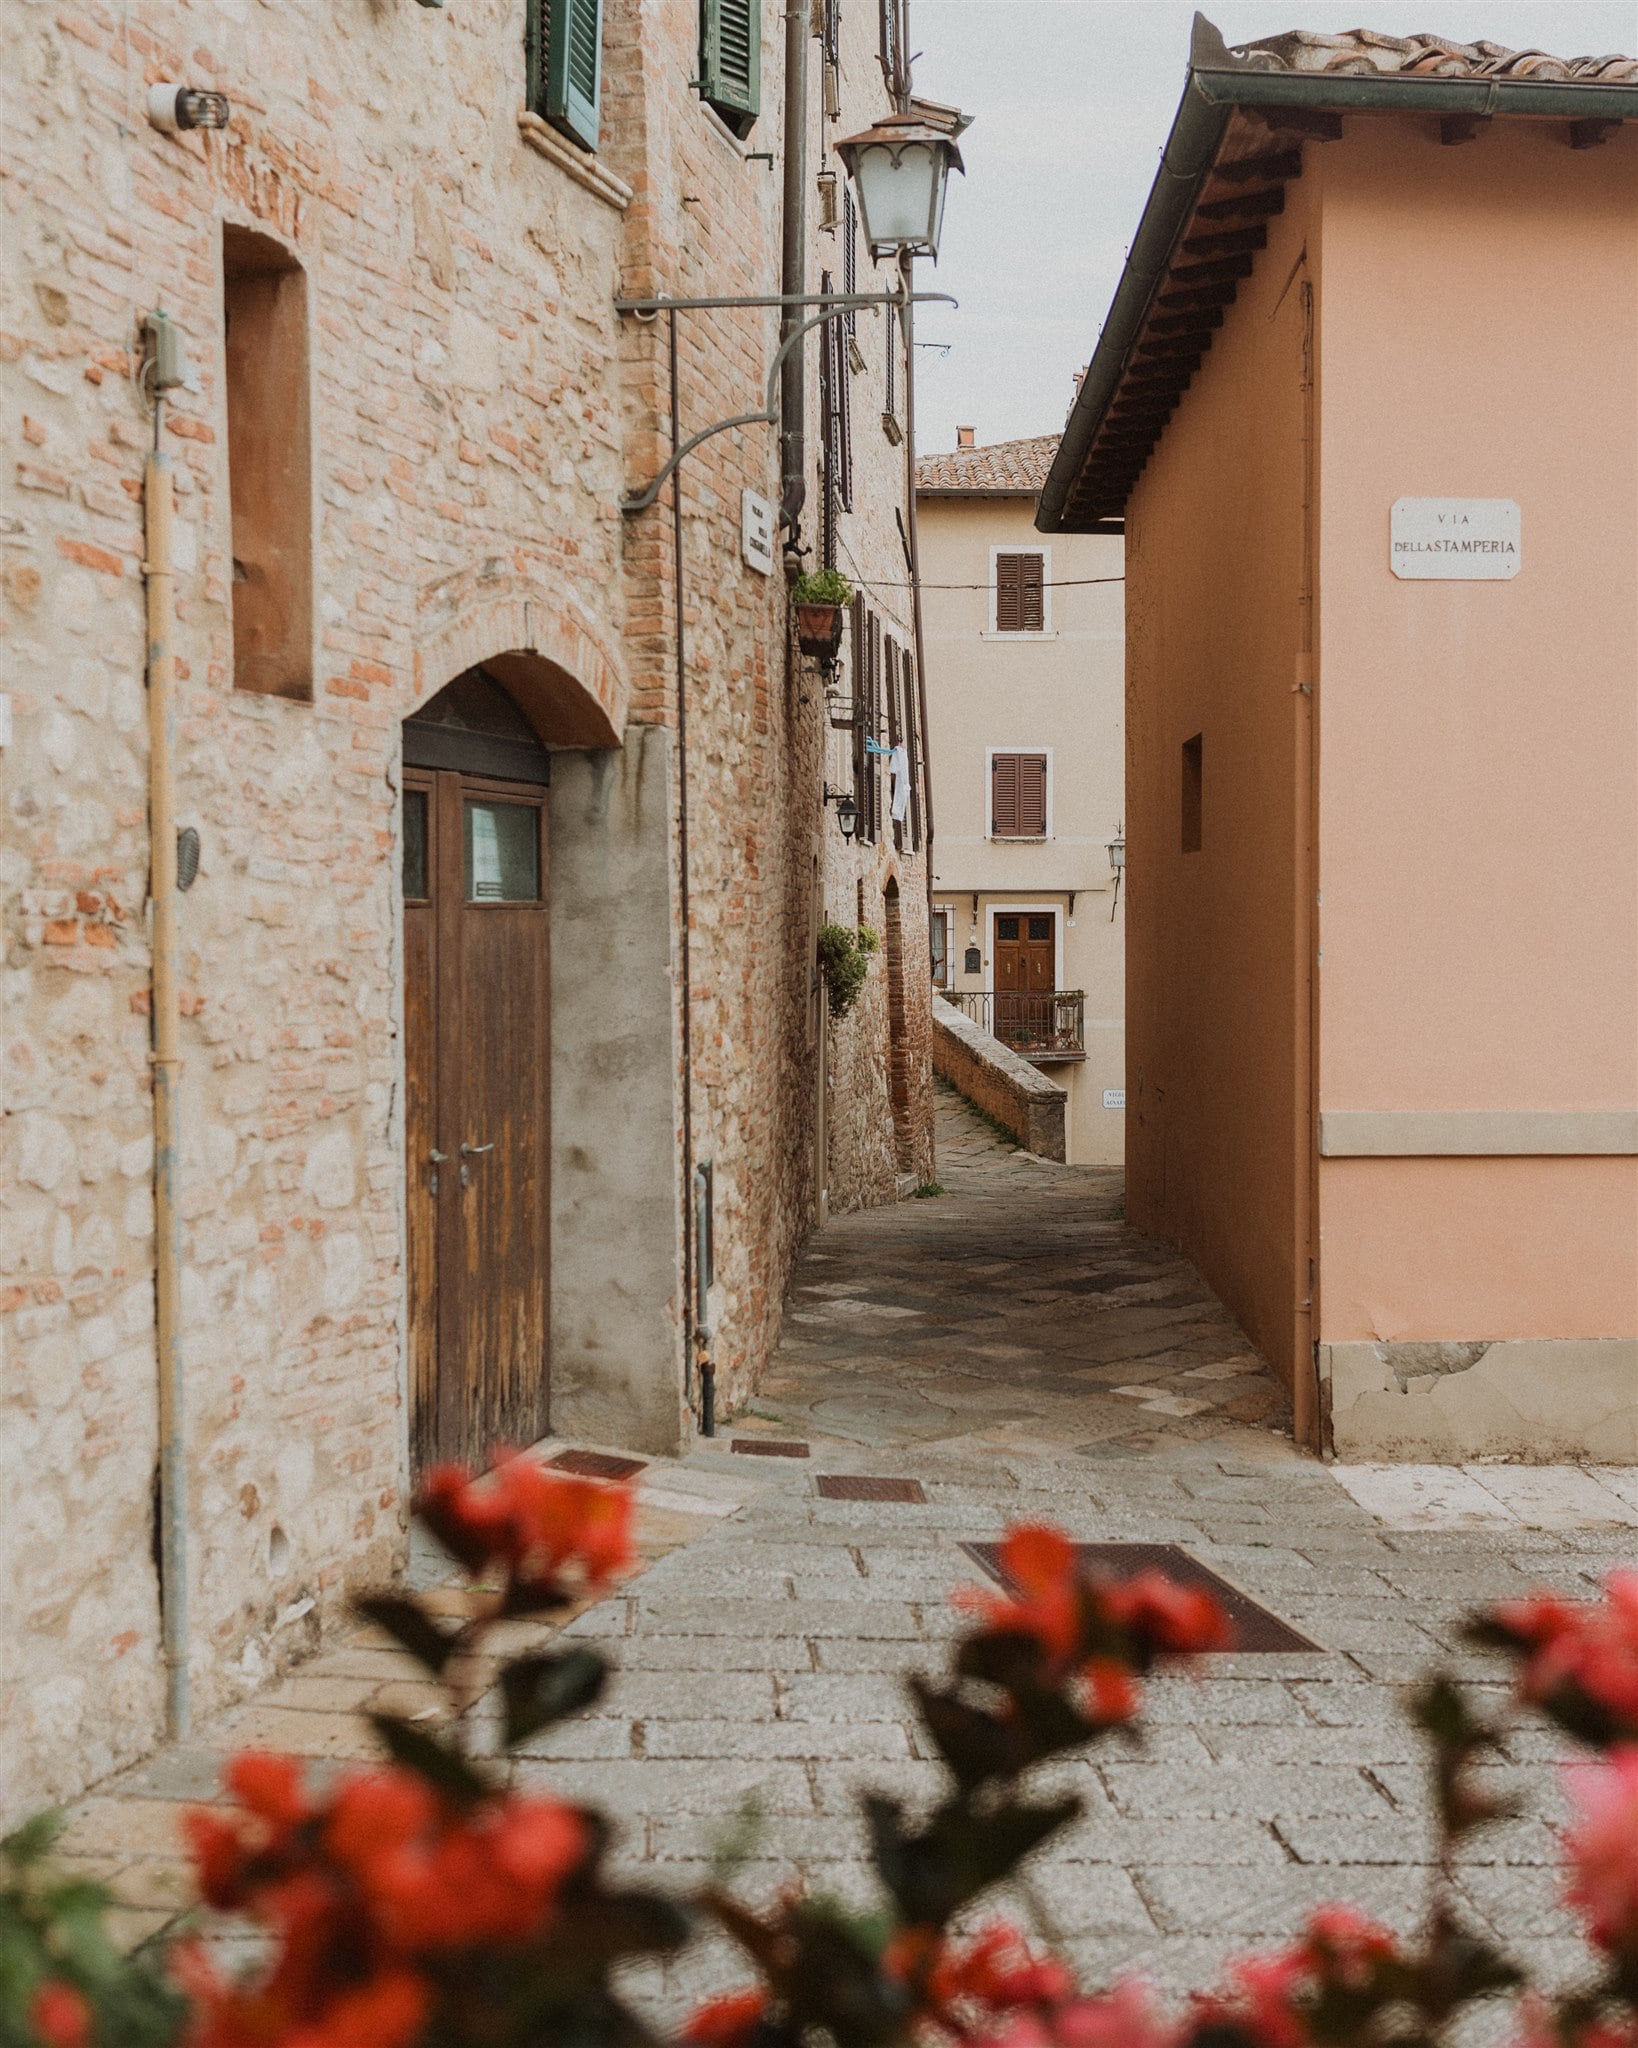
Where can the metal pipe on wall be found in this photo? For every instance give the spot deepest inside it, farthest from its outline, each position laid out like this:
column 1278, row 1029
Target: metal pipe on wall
column 159, row 570
column 912, row 534
column 793, row 267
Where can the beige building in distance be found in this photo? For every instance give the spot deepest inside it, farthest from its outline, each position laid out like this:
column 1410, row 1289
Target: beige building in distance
column 1024, row 681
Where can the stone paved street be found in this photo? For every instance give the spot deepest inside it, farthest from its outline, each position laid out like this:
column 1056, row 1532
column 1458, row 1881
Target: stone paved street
column 1020, row 1352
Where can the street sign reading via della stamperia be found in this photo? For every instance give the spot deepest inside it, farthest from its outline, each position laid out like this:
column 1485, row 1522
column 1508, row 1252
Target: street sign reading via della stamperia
column 1459, row 540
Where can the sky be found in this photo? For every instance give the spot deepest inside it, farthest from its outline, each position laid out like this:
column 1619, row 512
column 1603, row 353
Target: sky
column 1072, row 100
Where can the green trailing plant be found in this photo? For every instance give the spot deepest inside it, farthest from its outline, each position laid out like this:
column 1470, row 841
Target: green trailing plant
column 844, row 961
column 822, row 586
column 63, row 1981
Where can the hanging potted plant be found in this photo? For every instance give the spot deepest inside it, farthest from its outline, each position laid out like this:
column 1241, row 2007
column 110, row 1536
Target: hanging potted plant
column 820, row 598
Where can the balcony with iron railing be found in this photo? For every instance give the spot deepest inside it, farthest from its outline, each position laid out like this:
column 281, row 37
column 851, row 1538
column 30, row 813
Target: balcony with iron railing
column 1046, row 1026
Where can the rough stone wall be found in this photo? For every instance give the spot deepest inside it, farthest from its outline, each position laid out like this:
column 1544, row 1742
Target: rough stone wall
column 466, row 435
column 478, row 407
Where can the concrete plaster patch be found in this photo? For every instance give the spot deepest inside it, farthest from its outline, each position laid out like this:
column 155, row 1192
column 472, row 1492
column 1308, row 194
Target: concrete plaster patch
column 1538, row 1400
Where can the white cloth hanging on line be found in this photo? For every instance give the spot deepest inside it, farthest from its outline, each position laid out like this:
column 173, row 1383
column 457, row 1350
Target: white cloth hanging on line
column 898, row 766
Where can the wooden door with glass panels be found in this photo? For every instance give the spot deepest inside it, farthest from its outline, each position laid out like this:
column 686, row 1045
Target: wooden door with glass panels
column 1026, row 967
column 477, row 1062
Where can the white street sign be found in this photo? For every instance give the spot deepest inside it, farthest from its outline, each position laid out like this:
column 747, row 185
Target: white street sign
column 756, row 532
column 1457, row 540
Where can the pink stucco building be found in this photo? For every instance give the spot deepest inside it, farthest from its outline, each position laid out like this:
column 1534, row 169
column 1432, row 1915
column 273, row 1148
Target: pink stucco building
column 1366, row 409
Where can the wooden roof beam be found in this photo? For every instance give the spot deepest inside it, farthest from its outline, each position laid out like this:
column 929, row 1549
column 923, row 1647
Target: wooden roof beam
column 1230, row 242
column 1273, row 167
column 1218, row 271
column 1245, row 205
column 1197, row 299
column 1206, row 321
column 1313, row 124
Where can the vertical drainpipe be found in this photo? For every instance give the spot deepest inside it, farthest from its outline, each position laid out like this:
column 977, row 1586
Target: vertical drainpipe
column 1310, row 1422
column 906, row 272
column 793, row 266
column 173, row 1479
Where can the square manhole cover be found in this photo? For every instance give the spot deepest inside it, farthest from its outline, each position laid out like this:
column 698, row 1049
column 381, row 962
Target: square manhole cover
column 597, row 1465
column 858, row 1486
column 1254, row 1628
column 767, row 1447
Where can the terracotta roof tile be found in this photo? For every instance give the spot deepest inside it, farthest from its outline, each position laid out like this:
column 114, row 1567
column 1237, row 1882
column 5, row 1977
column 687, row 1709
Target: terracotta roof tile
column 1361, row 51
column 1014, row 469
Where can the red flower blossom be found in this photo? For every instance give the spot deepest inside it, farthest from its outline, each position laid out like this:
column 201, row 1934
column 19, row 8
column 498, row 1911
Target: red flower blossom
column 1126, row 2017
column 536, row 1526
column 729, row 2021
column 1603, row 1848
column 1269, row 1998
column 991, row 1975
column 59, row 2015
column 1581, row 1650
column 1094, row 1631
column 368, row 1892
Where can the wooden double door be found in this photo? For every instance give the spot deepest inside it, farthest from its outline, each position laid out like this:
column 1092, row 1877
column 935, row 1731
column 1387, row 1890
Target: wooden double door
column 1026, row 972
column 477, row 1022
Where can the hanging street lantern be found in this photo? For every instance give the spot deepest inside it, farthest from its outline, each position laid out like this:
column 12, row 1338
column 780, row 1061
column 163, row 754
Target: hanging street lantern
column 899, row 169
column 847, row 816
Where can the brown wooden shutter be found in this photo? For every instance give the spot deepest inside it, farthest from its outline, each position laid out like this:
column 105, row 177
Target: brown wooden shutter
column 1009, row 593
column 912, row 746
column 1032, row 796
column 873, row 729
column 1020, row 593
column 1004, row 796
column 858, row 651
column 895, row 730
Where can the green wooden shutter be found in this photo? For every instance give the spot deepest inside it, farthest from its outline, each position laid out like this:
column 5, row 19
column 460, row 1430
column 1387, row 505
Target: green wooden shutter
column 566, row 65
column 731, row 60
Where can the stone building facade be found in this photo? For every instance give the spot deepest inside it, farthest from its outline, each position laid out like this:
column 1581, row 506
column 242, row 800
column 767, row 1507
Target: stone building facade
column 412, row 411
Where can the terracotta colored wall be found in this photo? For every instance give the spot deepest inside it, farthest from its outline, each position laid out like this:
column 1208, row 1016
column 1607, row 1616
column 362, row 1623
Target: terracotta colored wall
column 1213, row 563
column 1479, row 752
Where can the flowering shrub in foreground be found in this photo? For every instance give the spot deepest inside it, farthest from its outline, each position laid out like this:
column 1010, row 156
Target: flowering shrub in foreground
column 425, row 1904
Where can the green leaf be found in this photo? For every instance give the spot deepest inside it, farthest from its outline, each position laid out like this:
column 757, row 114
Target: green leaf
column 409, row 1625
column 445, row 1769
column 540, row 1690
column 959, row 1854
column 28, row 1843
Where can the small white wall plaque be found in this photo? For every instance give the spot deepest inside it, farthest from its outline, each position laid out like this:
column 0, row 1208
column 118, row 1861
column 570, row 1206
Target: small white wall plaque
column 756, row 532
column 1455, row 540
column 1114, row 1098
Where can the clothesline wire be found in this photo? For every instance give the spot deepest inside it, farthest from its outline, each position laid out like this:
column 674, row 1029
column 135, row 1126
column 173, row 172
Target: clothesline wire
column 1058, row 583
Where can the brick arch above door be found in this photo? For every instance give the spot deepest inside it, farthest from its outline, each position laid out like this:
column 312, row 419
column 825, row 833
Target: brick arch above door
column 567, row 683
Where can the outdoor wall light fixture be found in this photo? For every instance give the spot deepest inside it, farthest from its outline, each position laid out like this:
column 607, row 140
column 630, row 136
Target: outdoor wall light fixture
column 847, row 811
column 174, row 108
column 1117, row 860
column 900, row 168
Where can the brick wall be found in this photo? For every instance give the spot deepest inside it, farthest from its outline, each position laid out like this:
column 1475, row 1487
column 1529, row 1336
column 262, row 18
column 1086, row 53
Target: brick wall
column 478, row 407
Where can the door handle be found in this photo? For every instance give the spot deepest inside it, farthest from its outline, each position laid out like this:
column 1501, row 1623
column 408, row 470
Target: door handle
column 471, row 1151
column 437, row 1158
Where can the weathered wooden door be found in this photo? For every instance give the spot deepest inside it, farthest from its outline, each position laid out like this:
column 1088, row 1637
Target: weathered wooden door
column 1026, row 953
column 477, row 1060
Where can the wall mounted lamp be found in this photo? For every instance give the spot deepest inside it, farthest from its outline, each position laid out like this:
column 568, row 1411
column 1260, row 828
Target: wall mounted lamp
column 900, row 168
column 847, row 811
column 173, row 108
column 1117, row 860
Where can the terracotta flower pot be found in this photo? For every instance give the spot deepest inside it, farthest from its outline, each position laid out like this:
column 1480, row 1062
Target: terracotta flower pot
column 819, row 628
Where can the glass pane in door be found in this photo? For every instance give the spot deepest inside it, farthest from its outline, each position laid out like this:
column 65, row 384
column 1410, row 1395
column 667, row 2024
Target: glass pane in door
column 415, row 845
column 502, row 852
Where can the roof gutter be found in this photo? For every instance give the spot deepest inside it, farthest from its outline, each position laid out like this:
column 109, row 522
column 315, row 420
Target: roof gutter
column 1218, row 84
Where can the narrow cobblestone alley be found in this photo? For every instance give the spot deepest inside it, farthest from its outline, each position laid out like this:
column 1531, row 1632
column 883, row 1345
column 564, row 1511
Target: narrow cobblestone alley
column 1013, row 1348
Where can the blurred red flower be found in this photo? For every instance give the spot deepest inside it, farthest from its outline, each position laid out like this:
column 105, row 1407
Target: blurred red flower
column 537, row 1526
column 59, row 2015
column 1603, row 1848
column 1585, row 1647
column 727, row 2021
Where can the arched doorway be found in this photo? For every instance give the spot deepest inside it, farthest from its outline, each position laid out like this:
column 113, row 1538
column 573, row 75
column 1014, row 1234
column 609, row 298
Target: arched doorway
column 477, row 1054
column 898, row 1034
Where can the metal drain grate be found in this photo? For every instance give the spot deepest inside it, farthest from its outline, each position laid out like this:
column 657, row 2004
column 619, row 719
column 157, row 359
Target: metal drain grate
column 1255, row 1629
column 597, row 1465
column 767, row 1447
column 856, row 1486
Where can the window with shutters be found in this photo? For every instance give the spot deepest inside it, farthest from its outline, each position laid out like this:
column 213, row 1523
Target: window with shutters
column 731, row 60
column 565, row 58
column 836, row 414
column 892, row 34
column 1018, row 796
column 895, row 731
column 912, row 745
column 890, row 325
column 1020, row 590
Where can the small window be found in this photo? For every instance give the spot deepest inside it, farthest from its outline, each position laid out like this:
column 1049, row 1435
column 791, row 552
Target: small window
column 1018, row 796
column 415, row 845
column 565, row 58
column 1040, row 928
column 940, row 940
column 1193, row 793
column 502, row 853
column 1020, row 592
column 1006, row 927
column 270, row 476
column 731, row 61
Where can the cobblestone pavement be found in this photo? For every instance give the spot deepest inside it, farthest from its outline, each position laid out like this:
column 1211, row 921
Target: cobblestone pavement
column 1019, row 1352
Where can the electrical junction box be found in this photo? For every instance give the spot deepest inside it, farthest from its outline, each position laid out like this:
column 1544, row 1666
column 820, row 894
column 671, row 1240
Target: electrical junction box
column 756, row 532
